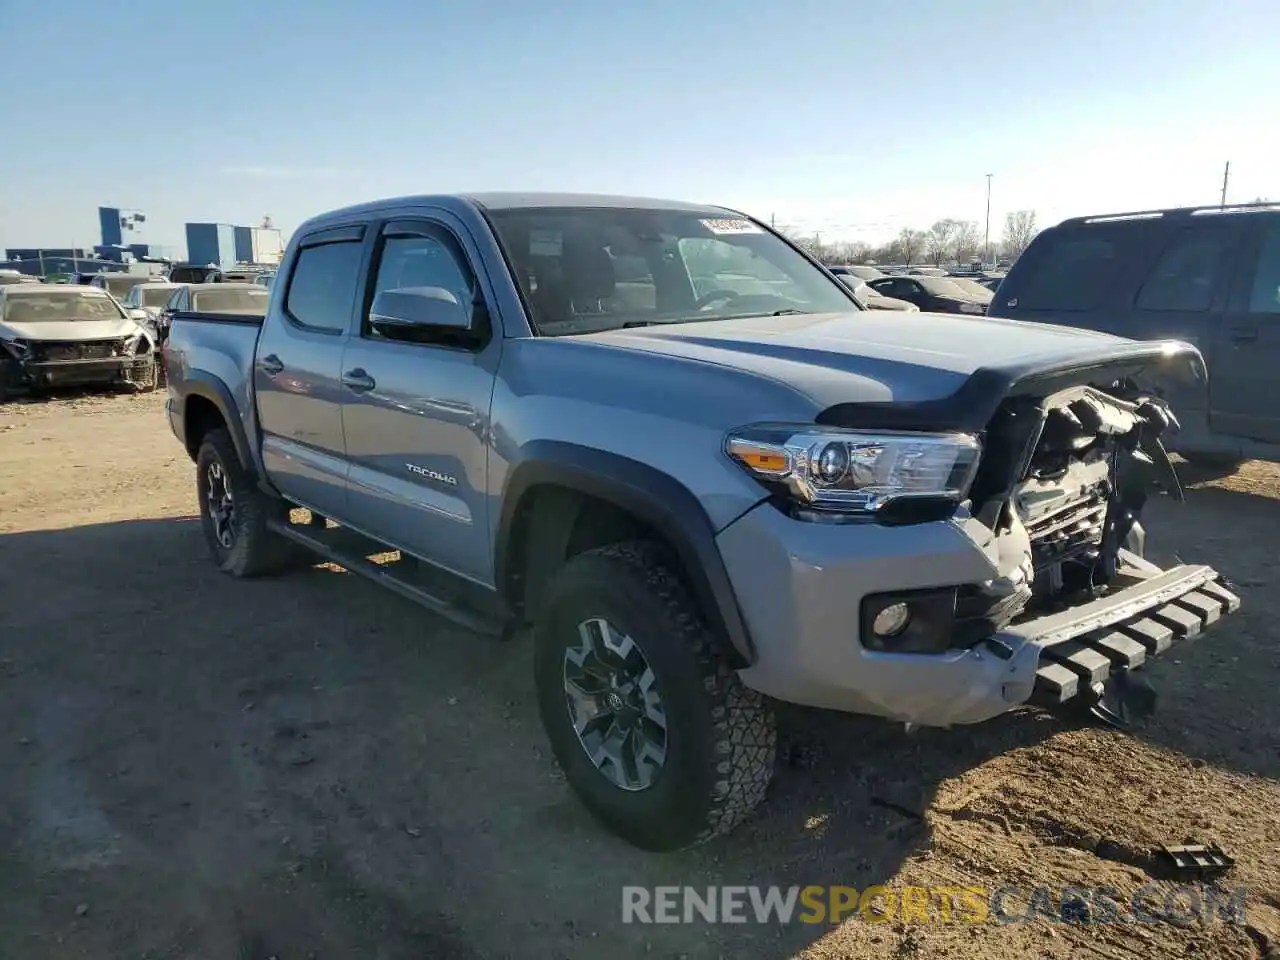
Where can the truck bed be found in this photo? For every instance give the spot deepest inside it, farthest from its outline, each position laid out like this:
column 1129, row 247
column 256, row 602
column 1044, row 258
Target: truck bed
column 211, row 355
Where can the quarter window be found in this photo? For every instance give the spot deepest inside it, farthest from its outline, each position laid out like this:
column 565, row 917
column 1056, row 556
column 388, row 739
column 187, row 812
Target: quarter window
column 1186, row 275
column 1265, row 295
column 1072, row 272
column 322, row 285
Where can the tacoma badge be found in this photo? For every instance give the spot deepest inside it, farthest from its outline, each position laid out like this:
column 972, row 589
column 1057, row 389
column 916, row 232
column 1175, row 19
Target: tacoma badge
column 432, row 475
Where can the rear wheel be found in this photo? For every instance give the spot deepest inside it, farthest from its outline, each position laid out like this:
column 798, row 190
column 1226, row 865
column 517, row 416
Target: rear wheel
column 651, row 725
column 234, row 513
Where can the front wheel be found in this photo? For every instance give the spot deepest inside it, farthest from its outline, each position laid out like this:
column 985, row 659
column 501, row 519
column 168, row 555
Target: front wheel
column 650, row 723
column 234, row 512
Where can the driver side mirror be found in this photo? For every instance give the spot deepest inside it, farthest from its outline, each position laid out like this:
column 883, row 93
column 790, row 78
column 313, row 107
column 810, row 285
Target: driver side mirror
column 136, row 313
column 396, row 312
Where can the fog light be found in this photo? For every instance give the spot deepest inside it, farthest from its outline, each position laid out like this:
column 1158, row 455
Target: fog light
column 892, row 620
column 908, row 621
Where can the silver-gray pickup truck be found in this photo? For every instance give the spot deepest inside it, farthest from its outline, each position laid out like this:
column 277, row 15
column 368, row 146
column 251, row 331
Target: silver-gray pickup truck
column 676, row 446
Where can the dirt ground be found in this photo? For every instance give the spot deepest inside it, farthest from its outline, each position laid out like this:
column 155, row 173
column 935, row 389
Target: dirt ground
column 193, row 766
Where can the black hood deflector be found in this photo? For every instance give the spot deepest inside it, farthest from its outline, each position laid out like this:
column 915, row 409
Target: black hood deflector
column 971, row 408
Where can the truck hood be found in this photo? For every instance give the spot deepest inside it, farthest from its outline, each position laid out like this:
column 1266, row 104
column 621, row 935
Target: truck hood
column 872, row 357
column 70, row 329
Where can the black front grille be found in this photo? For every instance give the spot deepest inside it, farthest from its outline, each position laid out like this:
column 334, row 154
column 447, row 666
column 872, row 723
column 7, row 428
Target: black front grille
column 71, row 350
column 1067, row 530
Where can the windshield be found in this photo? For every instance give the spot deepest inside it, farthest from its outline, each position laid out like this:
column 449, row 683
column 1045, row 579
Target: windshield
column 972, row 287
column 192, row 274
column 859, row 287
column 119, row 286
column 942, row 287
column 156, row 296
column 41, row 307
column 866, row 273
column 224, row 300
column 584, row 270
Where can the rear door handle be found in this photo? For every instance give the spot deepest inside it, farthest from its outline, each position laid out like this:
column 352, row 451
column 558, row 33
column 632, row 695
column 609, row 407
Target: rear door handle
column 1242, row 335
column 271, row 364
column 358, row 380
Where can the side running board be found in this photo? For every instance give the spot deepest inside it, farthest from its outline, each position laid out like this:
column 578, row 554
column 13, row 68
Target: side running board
column 431, row 588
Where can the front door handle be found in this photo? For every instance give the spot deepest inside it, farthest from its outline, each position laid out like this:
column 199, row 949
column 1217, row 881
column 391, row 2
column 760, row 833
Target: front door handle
column 358, row 380
column 1243, row 335
column 271, row 364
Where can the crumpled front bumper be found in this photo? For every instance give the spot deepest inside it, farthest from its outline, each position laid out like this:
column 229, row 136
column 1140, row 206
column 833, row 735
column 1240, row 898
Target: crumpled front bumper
column 801, row 585
column 56, row 373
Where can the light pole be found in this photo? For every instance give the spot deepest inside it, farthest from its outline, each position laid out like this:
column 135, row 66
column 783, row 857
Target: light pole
column 987, row 245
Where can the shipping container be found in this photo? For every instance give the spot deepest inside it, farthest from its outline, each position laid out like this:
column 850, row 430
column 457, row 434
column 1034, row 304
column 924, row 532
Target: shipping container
column 211, row 243
column 267, row 247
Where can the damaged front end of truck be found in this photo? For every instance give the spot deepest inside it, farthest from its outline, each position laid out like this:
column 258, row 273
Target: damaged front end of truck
column 1070, row 456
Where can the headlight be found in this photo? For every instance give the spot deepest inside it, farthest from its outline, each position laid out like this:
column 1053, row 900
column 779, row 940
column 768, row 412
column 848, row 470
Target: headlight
column 854, row 472
column 15, row 348
column 130, row 345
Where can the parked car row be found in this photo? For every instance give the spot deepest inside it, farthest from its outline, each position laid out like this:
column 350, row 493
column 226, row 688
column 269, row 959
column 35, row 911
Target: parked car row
column 936, row 294
column 65, row 334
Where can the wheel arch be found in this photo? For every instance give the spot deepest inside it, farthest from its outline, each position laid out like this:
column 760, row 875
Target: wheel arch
column 207, row 404
column 555, row 485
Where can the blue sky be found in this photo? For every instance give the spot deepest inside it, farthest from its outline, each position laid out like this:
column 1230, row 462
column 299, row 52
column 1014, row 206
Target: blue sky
column 854, row 119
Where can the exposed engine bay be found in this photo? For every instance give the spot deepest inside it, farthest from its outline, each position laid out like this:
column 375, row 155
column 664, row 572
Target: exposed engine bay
column 1062, row 486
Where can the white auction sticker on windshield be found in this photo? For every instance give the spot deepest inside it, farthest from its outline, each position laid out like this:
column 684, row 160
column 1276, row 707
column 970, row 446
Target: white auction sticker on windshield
column 730, row 226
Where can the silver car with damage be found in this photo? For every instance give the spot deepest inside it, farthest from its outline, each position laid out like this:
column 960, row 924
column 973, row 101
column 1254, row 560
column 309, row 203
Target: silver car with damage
column 61, row 335
column 712, row 484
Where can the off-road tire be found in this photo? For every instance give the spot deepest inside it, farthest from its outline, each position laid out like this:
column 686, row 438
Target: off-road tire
column 255, row 551
column 722, row 737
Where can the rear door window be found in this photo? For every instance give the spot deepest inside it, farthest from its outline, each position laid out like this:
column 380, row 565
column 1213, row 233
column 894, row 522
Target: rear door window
column 1072, row 272
column 1186, row 275
column 1265, row 294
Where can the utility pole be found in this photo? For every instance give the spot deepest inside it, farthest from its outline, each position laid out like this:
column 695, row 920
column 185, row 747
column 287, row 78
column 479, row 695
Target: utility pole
column 987, row 252
column 1226, row 175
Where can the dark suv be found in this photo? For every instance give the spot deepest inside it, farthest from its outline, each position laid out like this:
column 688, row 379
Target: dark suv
column 1207, row 275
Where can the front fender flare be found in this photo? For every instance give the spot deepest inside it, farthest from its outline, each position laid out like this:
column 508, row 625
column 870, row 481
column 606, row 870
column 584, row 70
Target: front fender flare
column 656, row 498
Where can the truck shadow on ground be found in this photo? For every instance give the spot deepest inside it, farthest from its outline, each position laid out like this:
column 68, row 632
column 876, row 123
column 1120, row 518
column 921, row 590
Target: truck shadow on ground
column 309, row 765
column 1217, row 696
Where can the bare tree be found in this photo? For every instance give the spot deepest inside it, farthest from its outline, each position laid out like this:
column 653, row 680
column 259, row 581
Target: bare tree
column 1019, row 228
column 940, row 241
column 909, row 244
column 967, row 242
column 859, row 251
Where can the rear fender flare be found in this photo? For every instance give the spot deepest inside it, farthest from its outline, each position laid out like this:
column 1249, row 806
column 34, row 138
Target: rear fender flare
column 657, row 499
column 199, row 383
